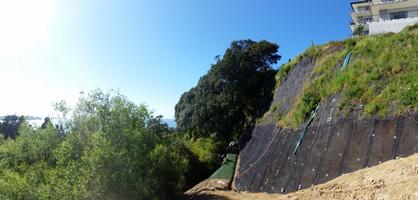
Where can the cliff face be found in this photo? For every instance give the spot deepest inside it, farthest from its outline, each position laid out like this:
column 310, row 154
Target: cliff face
column 293, row 147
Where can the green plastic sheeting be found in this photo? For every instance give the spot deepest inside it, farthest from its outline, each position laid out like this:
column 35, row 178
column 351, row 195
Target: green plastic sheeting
column 226, row 171
column 302, row 134
column 346, row 60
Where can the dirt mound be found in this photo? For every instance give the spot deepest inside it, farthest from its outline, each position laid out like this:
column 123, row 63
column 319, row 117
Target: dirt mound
column 209, row 185
column 395, row 179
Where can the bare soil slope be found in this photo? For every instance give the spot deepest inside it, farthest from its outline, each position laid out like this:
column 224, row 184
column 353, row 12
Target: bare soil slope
column 394, row 179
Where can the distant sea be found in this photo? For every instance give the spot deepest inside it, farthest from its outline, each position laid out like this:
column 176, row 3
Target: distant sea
column 37, row 121
column 171, row 123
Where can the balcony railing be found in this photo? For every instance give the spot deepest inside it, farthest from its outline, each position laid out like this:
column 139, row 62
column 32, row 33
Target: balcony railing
column 354, row 22
column 384, row 2
column 385, row 16
column 368, row 20
column 362, row 9
column 388, row 2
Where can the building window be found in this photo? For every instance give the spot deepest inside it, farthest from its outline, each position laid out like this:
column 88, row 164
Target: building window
column 368, row 19
column 364, row 20
column 413, row 13
column 387, row 1
column 363, row 9
column 398, row 15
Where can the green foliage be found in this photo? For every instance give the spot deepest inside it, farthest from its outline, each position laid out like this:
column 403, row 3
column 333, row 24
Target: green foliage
column 232, row 94
column 314, row 91
column 111, row 152
column 411, row 28
column 359, row 30
column 285, row 68
column 311, row 52
column 382, row 76
column 10, row 125
column 158, row 126
column 409, row 90
column 373, row 108
column 25, row 162
column 205, row 149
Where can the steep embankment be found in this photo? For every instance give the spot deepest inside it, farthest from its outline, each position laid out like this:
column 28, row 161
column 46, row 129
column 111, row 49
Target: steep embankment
column 395, row 179
column 328, row 118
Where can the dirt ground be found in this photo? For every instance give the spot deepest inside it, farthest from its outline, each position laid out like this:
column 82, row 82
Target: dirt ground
column 392, row 180
column 208, row 185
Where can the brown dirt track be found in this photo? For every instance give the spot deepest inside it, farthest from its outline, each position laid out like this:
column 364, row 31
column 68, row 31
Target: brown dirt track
column 391, row 180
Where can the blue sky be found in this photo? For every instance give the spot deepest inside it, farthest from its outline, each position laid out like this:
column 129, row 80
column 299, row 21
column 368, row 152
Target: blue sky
column 152, row 51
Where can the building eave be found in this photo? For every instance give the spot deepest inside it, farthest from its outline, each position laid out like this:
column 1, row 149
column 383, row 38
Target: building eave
column 357, row 2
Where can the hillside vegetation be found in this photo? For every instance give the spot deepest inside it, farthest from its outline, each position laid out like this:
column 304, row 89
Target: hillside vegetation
column 113, row 149
column 224, row 104
column 382, row 77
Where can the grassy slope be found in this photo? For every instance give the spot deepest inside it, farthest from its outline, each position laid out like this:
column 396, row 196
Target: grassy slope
column 382, row 76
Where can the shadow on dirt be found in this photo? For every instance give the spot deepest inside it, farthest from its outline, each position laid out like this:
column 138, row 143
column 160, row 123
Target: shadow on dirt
column 205, row 197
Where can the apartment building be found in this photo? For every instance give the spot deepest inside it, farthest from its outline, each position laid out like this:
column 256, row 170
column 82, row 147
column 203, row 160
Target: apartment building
column 380, row 16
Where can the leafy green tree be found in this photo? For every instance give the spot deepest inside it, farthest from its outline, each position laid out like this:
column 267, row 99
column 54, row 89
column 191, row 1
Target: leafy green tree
column 26, row 162
column 158, row 126
column 127, row 159
column 47, row 122
column 359, row 30
column 9, row 127
column 236, row 90
column 110, row 152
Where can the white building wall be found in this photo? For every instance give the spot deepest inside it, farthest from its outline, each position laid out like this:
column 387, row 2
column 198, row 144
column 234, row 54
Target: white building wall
column 395, row 25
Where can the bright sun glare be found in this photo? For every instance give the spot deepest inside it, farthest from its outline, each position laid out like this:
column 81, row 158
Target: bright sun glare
column 24, row 31
column 23, row 24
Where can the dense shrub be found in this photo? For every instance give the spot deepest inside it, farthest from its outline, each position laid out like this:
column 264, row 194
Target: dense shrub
column 110, row 153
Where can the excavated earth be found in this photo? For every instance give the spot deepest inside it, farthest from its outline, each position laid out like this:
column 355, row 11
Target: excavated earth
column 334, row 144
column 392, row 180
